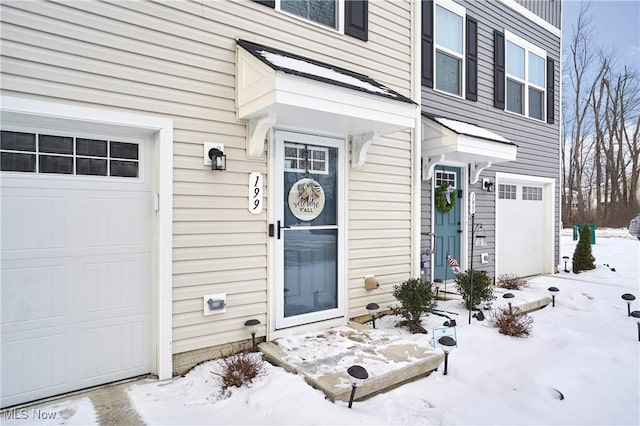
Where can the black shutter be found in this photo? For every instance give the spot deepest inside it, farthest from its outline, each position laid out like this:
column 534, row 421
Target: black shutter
column 472, row 59
column 498, row 70
column 551, row 77
column 268, row 3
column 427, row 43
column 356, row 19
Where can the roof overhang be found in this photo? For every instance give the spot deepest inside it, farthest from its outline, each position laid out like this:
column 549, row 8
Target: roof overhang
column 444, row 139
column 279, row 89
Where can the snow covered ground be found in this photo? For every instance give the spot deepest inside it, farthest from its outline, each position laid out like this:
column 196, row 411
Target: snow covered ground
column 586, row 348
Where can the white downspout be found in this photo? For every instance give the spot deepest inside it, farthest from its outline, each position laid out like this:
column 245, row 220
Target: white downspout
column 416, row 145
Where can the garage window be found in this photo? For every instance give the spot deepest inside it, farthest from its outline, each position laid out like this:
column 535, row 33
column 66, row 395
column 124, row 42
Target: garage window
column 40, row 153
column 531, row 193
column 507, row 192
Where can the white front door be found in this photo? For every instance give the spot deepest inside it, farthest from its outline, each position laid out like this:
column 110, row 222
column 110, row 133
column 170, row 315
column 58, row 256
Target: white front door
column 309, row 234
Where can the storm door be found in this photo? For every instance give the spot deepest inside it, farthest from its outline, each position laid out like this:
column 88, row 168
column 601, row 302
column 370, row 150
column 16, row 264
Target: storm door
column 308, row 229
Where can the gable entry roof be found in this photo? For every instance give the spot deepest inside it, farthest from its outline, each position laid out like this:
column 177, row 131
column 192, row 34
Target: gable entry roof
column 445, row 139
column 279, row 89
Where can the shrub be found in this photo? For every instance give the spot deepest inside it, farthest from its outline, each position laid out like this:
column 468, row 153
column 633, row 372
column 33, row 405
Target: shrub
column 583, row 259
column 416, row 298
column 239, row 368
column 511, row 282
column 482, row 289
column 511, row 322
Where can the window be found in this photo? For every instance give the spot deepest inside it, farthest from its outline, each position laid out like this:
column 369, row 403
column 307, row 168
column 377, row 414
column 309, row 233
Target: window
column 449, row 47
column 525, row 75
column 446, row 177
column 323, row 12
column 532, row 193
column 303, row 159
column 41, row 153
column 506, row 192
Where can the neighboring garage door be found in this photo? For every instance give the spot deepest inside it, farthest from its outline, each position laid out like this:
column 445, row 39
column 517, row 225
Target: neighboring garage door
column 522, row 229
column 76, row 252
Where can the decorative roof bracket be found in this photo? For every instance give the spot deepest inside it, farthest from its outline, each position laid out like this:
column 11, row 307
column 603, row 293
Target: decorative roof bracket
column 429, row 165
column 359, row 146
column 476, row 169
column 258, row 128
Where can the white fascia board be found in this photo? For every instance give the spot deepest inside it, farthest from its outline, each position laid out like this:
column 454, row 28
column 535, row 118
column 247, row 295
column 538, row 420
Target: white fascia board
column 497, row 151
column 517, row 7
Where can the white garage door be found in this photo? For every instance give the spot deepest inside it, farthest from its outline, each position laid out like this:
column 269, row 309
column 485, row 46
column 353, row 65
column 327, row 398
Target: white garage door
column 522, row 229
column 75, row 279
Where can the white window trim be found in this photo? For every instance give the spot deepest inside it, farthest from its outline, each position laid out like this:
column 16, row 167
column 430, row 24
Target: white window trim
column 528, row 48
column 339, row 17
column 462, row 12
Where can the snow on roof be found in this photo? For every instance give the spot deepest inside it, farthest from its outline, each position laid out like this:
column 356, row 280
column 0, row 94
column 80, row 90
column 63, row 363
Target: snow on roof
column 468, row 129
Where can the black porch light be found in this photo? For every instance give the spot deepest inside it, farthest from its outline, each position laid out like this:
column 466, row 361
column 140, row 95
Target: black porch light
column 636, row 316
column 358, row 375
column 565, row 258
column 553, row 291
column 508, row 296
column 252, row 325
column 628, row 297
column 447, row 344
column 373, row 308
column 218, row 159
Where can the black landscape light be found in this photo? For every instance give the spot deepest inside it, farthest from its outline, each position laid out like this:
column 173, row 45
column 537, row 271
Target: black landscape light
column 553, row 291
column 508, row 296
column 252, row 325
column 565, row 258
column 628, row 297
column 447, row 344
column 358, row 375
column 636, row 316
column 373, row 308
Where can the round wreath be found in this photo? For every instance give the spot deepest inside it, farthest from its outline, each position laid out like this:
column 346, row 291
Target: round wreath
column 441, row 199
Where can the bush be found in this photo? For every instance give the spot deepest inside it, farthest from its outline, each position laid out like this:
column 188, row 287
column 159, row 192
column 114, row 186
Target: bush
column 511, row 322
column 583, row 259
column 239, row 368
column 511, row 282
column 482, row 289
column 416, row 298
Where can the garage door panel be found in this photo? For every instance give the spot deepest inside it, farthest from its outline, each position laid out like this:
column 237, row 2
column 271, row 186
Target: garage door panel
column 115, row 285
column 30, row 221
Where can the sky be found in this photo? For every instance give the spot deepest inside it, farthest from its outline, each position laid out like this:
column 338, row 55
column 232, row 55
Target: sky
column 585, row 348
column 616, row 25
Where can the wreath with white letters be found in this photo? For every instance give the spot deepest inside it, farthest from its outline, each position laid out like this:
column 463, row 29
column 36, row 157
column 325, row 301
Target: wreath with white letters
column 445, row 198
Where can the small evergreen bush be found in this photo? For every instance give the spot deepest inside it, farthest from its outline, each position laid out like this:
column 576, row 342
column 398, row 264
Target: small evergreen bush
column 511, row 322
column 511, row 282
column 239, row 368
column 416, row 298
column 583, row 259
column 482, row 288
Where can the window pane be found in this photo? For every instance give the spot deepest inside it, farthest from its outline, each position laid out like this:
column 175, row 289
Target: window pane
column 124, row 168
column 448, row 71
column 536, row 70
column 18, row 141
column 514, row 96
column 15, row 162
column 323, row 12
column 56, row 144
column 448, row 30
column 124, row 150
column 535, row 103
column 515, row 60
column 91, row 166
column 56, row 164
column 92, row 147
column 297, row 7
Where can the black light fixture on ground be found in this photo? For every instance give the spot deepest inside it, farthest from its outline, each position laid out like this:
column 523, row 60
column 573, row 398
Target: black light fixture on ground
column 358, row 375
column 565, row 258
column 373, row 308
column 447, row 344
column 636, row 316
column 252, row 325
column 628, row 297
column 553, row 291
column 508, row 296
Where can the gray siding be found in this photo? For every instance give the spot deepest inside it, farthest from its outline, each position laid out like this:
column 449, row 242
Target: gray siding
column 550, row 11
column 538, row 142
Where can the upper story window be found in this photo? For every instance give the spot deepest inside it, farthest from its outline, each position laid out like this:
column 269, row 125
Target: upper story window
column 449, row 47
column 323, row 12
column 525, row 74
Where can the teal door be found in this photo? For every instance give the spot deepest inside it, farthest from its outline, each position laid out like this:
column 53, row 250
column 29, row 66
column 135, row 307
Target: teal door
column 448, row 228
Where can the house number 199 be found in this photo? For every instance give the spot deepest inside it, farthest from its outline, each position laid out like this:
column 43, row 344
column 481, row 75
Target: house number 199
column 255, row 192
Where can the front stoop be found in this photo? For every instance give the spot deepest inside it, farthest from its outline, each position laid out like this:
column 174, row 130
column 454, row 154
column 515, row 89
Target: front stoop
column 390, row 360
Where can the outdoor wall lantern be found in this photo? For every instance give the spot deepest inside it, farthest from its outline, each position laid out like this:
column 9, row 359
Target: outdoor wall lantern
column 565, row 258
column 252, row 325
column 508, row 296
column 636, row 316
column 447, row 344
column 481, row 240
column 487, row 185
column 358, row 375
column 553, row 291
column 218, row 159
column 373, row 308
column 628, row 297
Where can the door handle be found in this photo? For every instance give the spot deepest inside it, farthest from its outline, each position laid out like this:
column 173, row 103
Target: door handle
column 281, row 227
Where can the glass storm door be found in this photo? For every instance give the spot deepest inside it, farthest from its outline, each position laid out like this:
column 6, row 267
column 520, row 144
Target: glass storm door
column 447, row 225
column 309, row 242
